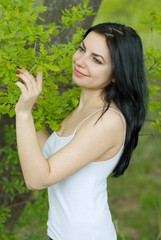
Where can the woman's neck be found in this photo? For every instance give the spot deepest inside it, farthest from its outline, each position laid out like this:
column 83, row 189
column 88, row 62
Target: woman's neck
column 91, row 99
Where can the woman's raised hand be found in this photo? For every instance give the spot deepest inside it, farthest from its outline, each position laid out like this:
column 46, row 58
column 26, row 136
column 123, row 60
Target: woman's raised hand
column 30, row 90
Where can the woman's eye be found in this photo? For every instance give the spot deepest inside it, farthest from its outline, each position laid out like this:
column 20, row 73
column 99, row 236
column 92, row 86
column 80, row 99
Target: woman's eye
column 81, row 49
column 97, row 61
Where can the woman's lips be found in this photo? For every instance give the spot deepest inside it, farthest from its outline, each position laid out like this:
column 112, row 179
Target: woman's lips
column 78, row 73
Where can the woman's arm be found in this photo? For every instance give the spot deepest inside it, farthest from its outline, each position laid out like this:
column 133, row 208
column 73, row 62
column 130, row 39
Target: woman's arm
column 89, row 143
column 34, row 166
column 29, row 144
column 42, row 137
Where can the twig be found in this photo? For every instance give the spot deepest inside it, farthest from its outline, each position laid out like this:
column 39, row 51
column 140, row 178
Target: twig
column 150, row 120
column 21, row 203
column 147, row 134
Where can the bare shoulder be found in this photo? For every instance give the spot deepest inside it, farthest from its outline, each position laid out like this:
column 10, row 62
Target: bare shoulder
column 109, row 127
column 113, row 118
column 113, row 123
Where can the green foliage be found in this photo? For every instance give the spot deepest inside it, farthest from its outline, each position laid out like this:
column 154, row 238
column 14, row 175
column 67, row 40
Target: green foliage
column 26, row 44
column 156, row 20
column 13, row 190
column 134, row 13
column 153, row 56
column 9, row 162
column 36, row 210
column 153, row 63
column 153, row 67
column 76, row 14
column 11, row 182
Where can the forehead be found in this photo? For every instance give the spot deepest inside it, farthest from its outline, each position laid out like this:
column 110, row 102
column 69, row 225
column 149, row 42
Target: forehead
column 96, row 43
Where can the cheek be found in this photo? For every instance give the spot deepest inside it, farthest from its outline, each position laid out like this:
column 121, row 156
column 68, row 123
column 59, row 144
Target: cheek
column 108, row 72
column 106, row 76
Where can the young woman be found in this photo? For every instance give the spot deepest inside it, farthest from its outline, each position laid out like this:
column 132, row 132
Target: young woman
column 95, row 140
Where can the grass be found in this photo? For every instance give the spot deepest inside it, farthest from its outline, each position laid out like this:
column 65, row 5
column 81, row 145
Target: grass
column 135, row 198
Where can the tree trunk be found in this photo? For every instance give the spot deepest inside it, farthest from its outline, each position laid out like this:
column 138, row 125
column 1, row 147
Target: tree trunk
column 54, row 12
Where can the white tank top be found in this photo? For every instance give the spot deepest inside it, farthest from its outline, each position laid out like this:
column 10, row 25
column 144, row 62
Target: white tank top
column 78, row 205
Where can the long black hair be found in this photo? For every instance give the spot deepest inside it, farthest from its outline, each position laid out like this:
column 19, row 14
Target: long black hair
column 129, row 89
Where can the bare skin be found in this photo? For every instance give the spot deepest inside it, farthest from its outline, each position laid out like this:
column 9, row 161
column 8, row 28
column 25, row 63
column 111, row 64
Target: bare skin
column 92, row 142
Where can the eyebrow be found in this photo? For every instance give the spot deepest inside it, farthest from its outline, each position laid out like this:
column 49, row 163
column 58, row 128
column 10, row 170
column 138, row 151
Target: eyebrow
column 94, row 54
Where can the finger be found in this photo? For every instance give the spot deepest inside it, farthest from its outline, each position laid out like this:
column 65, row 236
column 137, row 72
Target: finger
column 21, row 87
column 29, row 80
column 39, row 79
column 26, row 72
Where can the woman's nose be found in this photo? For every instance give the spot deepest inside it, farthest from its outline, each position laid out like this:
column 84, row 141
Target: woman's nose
column 81, row 61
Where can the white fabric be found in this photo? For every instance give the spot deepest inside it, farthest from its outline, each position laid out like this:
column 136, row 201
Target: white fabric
column 78, row 205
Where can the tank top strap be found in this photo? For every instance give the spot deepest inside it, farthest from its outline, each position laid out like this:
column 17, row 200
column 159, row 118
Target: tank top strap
column 79, row 124
column 121, row 115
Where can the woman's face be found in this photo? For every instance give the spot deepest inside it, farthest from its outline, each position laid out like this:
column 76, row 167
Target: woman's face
column 92, row 63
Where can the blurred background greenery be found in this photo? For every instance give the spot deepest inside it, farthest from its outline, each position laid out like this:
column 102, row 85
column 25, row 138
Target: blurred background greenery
column 133, row 13
column 135, row 198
